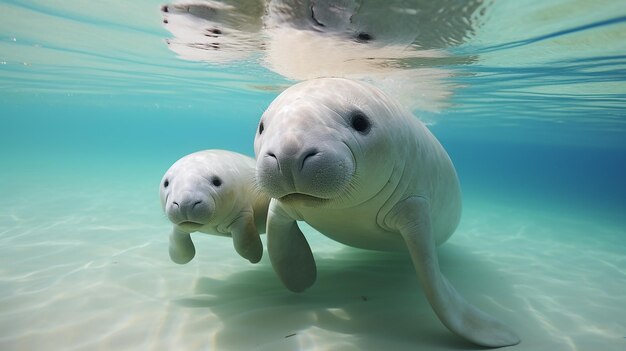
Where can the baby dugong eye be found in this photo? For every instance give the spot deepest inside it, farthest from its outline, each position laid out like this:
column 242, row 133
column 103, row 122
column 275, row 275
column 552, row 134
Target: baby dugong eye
column 360, row 123
column 166, row 183
column 216, row 181
column 261, row 128
column 363, row 37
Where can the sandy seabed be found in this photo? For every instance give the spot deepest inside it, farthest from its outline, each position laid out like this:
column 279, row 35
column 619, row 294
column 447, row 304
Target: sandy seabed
column 85, row 267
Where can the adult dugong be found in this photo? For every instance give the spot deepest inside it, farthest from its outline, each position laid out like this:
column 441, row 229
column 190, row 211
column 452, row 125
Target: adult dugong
column 213, row 192
column 350, row 161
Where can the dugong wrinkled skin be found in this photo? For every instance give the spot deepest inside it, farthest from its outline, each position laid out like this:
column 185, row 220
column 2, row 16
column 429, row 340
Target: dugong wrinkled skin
column 351, row 162
column 213, row 192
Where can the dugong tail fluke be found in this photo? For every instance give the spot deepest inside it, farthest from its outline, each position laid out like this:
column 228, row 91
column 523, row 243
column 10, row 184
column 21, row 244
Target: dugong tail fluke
column 412, row 218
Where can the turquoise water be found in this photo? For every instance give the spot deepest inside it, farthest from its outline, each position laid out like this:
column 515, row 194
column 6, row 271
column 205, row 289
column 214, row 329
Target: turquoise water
column 95, row 108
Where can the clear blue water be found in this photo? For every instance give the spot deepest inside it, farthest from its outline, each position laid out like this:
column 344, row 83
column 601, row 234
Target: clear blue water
column 94, row 109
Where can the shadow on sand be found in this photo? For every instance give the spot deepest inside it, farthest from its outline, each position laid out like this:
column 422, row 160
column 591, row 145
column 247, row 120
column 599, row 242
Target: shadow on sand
column 370, row 300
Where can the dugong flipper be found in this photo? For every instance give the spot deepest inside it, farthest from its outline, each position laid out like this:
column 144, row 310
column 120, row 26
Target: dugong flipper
column 213, row 192
column 351, row 162
column 289, row 251
column 181, row 247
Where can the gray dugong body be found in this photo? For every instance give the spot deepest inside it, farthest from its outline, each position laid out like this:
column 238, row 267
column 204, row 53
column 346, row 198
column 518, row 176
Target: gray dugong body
column 213, row 192
column 350, row 161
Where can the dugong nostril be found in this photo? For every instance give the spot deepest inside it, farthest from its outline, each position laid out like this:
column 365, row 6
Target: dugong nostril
column 307, row 156
column 272, row 159
column 196, row 203
column 176, row 204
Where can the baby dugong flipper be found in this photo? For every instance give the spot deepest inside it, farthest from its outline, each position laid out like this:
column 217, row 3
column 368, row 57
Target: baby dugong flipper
column 181, row 246
column 213, row 192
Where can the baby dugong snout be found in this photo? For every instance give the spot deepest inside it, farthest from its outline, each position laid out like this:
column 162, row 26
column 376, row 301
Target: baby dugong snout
column 189, row 208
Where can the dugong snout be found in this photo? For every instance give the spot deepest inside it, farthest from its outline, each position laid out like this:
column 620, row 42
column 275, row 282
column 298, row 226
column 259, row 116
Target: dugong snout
column 308, row 168
column 188, row 207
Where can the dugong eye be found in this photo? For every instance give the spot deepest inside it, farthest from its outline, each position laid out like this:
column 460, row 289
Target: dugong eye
column 216, row 181
column 261, row 128
column 363, row 37
column 166, row 183
column 360, row 123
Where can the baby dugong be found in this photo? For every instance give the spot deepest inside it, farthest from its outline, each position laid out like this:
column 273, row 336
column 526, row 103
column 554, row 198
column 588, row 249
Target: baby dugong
column 213, row 192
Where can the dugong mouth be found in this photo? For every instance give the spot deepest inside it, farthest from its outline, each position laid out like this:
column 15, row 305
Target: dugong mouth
column 304, row 199
column 190, row 225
